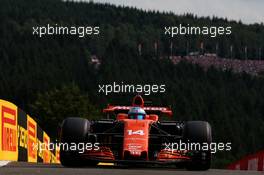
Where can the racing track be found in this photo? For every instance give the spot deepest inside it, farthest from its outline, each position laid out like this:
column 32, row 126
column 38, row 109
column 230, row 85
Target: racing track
column 16, row 168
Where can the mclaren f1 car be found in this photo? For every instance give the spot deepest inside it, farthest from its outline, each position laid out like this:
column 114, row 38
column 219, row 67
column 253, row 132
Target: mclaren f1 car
column 136, row 136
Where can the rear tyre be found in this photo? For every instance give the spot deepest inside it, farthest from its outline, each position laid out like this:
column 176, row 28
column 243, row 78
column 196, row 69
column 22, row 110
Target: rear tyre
column 74, row 131
column 199, row 132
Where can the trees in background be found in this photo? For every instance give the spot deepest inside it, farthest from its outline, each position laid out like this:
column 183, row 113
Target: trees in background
column 57, row 104
column 52, row 77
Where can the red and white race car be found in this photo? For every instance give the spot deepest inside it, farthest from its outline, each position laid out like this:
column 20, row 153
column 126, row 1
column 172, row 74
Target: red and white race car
column 136, row 136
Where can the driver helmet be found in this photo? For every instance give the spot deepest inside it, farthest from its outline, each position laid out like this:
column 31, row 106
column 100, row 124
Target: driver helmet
column 136, row 113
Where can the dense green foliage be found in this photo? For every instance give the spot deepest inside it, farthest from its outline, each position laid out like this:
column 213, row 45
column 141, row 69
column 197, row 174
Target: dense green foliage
column 51, row 76
column 53, row 106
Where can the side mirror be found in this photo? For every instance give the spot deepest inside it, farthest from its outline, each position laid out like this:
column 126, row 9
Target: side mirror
column 121, row 116
column 153, row 117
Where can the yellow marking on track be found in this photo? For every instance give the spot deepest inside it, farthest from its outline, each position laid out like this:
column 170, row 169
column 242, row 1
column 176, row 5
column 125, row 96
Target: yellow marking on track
column 105, row 164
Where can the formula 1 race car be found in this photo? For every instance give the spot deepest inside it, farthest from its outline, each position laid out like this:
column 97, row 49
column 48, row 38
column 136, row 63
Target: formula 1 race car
column 136, row 136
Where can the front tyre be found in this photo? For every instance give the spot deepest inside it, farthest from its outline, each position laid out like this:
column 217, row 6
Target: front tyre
column 73, row 131
column 199, row 132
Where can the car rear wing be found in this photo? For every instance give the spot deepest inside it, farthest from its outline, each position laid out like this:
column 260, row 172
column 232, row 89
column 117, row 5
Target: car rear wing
column 149, row 110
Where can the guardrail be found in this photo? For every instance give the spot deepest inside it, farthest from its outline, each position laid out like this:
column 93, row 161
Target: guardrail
column 250, row 162
column 22, row 139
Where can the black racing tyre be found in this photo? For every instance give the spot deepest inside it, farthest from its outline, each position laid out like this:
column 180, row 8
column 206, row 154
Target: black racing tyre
column 73, row 130
column 198, row 132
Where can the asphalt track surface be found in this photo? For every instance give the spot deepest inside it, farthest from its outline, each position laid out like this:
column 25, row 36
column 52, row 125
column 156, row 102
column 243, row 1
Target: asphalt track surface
column 16, row 168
